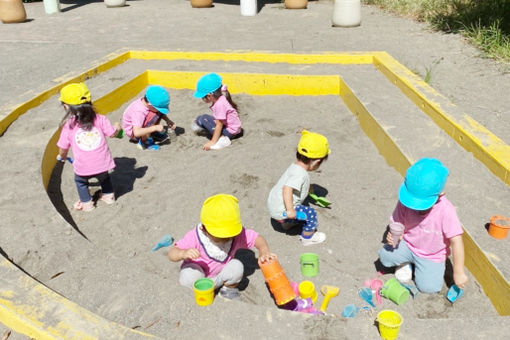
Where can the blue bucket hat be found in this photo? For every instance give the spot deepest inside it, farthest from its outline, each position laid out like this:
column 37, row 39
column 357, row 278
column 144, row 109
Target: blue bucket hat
column 423, row 183
column 207, row 84
column 158, row 97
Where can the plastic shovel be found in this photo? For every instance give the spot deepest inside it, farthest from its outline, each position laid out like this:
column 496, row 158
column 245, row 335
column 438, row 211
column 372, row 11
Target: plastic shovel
column 454, row 293
column 320, row 201
column 300, row 215
column 328, row 292
column 69, row 159
column 351, row 310
column 366, row 294
column 166, row 241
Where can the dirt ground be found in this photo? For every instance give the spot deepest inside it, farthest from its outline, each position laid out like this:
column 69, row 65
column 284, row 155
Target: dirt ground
column 113, row 271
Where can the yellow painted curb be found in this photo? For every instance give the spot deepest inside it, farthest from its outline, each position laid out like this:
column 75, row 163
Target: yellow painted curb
column 471, row 135
column 38, row 312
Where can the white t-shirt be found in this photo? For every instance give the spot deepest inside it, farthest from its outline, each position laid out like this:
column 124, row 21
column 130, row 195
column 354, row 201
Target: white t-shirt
column 295, row 177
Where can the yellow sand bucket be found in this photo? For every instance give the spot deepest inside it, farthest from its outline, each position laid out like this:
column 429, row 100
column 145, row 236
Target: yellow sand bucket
column 307, row 290
column 389, row 324
column 204, row 291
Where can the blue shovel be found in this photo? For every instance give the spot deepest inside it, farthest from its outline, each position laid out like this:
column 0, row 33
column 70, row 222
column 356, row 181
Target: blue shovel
column 300, row 215
column 454, row 293
column 366, row 294
column 67, row 158
column 166, row 241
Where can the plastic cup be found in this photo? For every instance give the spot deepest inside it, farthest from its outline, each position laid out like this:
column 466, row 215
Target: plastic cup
column 307, row 290
column 309, row 264
column 204, row 291
column 396, row 230
column 389, row 324
column 395, row 292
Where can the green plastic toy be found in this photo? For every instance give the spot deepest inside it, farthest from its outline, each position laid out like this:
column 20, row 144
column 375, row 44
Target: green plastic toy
column 320, row 201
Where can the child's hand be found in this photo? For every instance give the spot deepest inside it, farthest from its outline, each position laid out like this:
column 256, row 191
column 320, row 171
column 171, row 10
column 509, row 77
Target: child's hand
column 159, row 128
column 460, row 279
column 291, row 214
column 116, row 125
column 389, row 239
column 173, row 126
column 190, row 254
column 207, row 146
column 266, row 257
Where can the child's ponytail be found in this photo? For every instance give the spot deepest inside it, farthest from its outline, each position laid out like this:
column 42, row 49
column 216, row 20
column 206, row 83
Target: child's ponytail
column 223, row 90
column 83, row 114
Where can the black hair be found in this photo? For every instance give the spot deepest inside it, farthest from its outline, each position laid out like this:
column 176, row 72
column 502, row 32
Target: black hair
column 307, row 160
column 83, row 114
column 216, row 94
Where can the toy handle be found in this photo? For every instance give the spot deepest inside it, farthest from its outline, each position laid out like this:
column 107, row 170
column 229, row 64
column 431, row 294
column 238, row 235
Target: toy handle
column 69, row 159
column 378, row 297
column 300, row 215
column 325, row 303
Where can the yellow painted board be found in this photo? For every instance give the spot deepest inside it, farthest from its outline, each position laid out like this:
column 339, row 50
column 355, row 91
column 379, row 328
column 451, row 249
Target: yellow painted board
column 472, row 136
column 383, row 142
column 260, row 57
column 253, row 83
column 490, row 278
column 32, row 309
column 122, row 94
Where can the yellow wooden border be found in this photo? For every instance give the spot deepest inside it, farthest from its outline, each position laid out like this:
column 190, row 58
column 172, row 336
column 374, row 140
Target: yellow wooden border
column 471, row 135
column 259, row 57
column 32, row 309
column 490, row 278
column 115, row 59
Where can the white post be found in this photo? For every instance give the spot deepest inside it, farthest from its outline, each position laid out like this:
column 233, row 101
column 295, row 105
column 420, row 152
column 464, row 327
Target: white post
column 51, row 6
column 347, row 13
column 248, row 7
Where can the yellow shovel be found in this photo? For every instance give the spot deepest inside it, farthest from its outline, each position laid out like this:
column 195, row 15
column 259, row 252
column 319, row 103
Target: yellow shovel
column 328, row 292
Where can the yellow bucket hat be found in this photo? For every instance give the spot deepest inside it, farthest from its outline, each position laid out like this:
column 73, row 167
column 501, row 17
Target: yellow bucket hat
column 221, row 216
column 75, row 94
column 313, row 145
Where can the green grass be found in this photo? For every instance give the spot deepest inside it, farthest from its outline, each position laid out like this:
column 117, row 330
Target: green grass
column 485, row 23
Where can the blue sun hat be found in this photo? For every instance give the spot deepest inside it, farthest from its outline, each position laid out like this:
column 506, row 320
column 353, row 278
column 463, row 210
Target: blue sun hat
column 423, row 183
column 158, row 97
column 207, row 84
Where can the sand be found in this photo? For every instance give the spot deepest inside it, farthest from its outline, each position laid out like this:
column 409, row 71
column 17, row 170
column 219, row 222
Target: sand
column 103, row 260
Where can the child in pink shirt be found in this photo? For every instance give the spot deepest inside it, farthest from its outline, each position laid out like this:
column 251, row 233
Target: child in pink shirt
column 84, row 131
column 224, row 124
column 208, row 250
column 141, row 119
column 431, row 227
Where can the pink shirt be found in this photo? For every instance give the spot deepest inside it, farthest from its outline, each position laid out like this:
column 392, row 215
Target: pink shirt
column 222, row 110
column 245, row 240
column 428, row 236
column 134, row 115
column 90, row 150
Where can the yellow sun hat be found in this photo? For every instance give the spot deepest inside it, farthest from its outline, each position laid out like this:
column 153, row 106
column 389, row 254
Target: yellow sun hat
column 75, row 94
column 221, row 216
column 313, row 145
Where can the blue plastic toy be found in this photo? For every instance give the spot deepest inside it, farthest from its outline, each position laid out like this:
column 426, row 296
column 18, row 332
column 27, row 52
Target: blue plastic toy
column 300, row 215
column 366, row 294
column 166, row 241
column 454, row 293
column 351, row 310
column 68, row 159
